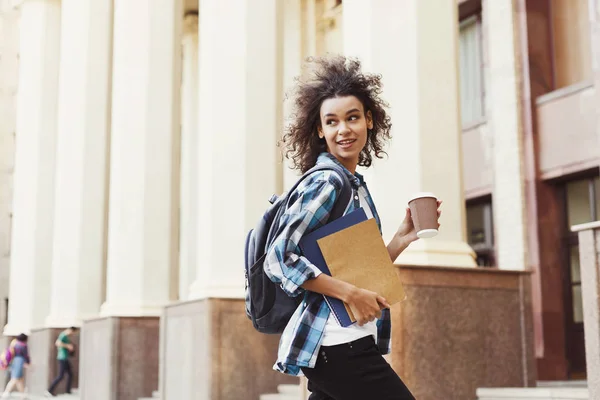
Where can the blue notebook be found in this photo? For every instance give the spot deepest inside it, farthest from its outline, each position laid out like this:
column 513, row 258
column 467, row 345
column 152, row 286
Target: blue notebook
column 311, row 250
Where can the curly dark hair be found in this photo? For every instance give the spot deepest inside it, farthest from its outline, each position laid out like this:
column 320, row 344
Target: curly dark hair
column 337, row 76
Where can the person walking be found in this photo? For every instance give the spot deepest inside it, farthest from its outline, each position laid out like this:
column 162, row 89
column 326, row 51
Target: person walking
column 65, row 350
column 18, row 364
column 339, row 118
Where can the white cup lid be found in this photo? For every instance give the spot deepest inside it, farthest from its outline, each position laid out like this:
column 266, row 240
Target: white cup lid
column 422, row 194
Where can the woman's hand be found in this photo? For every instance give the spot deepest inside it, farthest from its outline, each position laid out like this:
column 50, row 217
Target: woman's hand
column 406, row 232
column 366, row 305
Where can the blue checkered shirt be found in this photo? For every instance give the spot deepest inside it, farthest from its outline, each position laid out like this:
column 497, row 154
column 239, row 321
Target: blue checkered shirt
column 310, row 205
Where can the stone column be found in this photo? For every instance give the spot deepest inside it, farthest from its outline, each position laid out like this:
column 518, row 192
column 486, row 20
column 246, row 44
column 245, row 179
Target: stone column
column 408, row 42
column 589, row 253
column 9, row 68
column 294, row 52
column 239, row 158
column 144, row 155
column 240, row 117
column 143, row 202
column 33, row 201
column 77, row 285
column 78, row 256
column 504, row 118
column 189, row 156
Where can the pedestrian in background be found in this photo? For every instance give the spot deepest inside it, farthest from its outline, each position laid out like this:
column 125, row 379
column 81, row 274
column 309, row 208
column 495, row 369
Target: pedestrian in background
column 65, row 350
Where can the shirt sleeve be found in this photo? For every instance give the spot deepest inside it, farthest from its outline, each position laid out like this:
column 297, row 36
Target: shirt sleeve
column 284, row 263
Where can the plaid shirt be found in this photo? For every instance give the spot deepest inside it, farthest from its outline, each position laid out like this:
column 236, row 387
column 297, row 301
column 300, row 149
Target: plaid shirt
column 309, row 209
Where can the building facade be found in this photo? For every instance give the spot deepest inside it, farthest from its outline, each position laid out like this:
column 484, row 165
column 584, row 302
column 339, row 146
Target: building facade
column 138, row 146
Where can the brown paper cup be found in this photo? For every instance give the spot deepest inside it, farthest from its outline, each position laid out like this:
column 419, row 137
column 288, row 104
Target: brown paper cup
column 423, row 208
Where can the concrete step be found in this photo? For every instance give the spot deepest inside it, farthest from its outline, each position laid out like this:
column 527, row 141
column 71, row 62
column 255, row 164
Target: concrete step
column 286, row 392
column 289, row 389
column 539, row 393
column 566, row 384
column 279, row 396
column 155, row 396
column 30, row 396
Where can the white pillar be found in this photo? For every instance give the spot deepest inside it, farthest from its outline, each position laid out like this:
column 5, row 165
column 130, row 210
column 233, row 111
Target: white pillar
column 144, row 158
column 413, row 45
column 77, row 285
column 293, row 57
column 33, row 201
column 504, row 118
column 189, row 156
column 239, row 123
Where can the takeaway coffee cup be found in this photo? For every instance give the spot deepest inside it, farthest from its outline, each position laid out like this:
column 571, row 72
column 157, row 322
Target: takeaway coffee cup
column 423, row 208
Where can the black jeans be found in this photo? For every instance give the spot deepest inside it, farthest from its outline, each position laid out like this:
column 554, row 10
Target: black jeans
column 64, row 367
column 354, row 371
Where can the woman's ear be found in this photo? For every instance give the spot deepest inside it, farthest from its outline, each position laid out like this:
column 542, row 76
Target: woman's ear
column 369, row 117
column 320, row 133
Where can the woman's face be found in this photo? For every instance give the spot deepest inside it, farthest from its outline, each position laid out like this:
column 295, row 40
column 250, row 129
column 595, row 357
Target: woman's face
column 344, row 126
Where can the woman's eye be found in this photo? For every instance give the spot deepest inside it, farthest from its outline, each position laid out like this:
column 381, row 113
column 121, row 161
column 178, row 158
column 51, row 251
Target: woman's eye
column 353, row 118
column 329, row 122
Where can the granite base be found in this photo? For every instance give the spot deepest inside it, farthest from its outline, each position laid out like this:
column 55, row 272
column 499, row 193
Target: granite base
column 119, row 358
column 43, row 352
column 461, row 329
column 210, row 351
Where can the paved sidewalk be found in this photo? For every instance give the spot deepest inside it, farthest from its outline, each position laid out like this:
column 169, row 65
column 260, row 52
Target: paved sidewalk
column 29, row 396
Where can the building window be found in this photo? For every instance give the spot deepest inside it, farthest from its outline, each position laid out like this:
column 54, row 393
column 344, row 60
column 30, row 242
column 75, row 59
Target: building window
column 471, row 70
column 583, row 205
column 480, row 231
column 570, row 42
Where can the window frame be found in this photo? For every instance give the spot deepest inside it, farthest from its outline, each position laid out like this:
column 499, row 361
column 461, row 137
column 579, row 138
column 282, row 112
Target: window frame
column 476, row 18
column 486, row 250
column 571, row 239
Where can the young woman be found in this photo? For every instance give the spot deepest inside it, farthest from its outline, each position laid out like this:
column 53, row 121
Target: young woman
column 339, row 119
column 17, row 366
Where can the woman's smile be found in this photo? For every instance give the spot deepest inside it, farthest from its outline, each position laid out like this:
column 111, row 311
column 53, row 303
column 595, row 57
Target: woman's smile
column 346, row 143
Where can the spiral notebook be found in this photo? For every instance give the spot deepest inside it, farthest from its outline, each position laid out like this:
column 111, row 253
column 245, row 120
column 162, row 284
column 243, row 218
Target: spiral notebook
column 311, row 250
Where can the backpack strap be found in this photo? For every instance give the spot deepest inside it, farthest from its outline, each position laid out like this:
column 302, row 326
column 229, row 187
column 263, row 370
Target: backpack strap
column 339, row 207
column 346, row 193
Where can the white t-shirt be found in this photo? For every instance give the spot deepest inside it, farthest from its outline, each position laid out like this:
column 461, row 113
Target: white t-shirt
column 334, row 333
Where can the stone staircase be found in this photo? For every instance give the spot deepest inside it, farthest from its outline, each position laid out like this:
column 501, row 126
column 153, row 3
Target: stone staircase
column 559, row 390
column 30, row 396
column 155, row 396
column 72, row 396
column 285, row 392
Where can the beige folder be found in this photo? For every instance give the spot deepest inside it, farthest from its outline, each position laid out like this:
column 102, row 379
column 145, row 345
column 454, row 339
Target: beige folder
column 359, row 256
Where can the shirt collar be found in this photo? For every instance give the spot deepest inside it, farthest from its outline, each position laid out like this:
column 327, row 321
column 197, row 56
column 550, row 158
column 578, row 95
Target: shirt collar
column 326, row 158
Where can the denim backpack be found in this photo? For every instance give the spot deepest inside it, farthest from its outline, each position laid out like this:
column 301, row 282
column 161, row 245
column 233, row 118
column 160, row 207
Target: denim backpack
column 267, row 305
